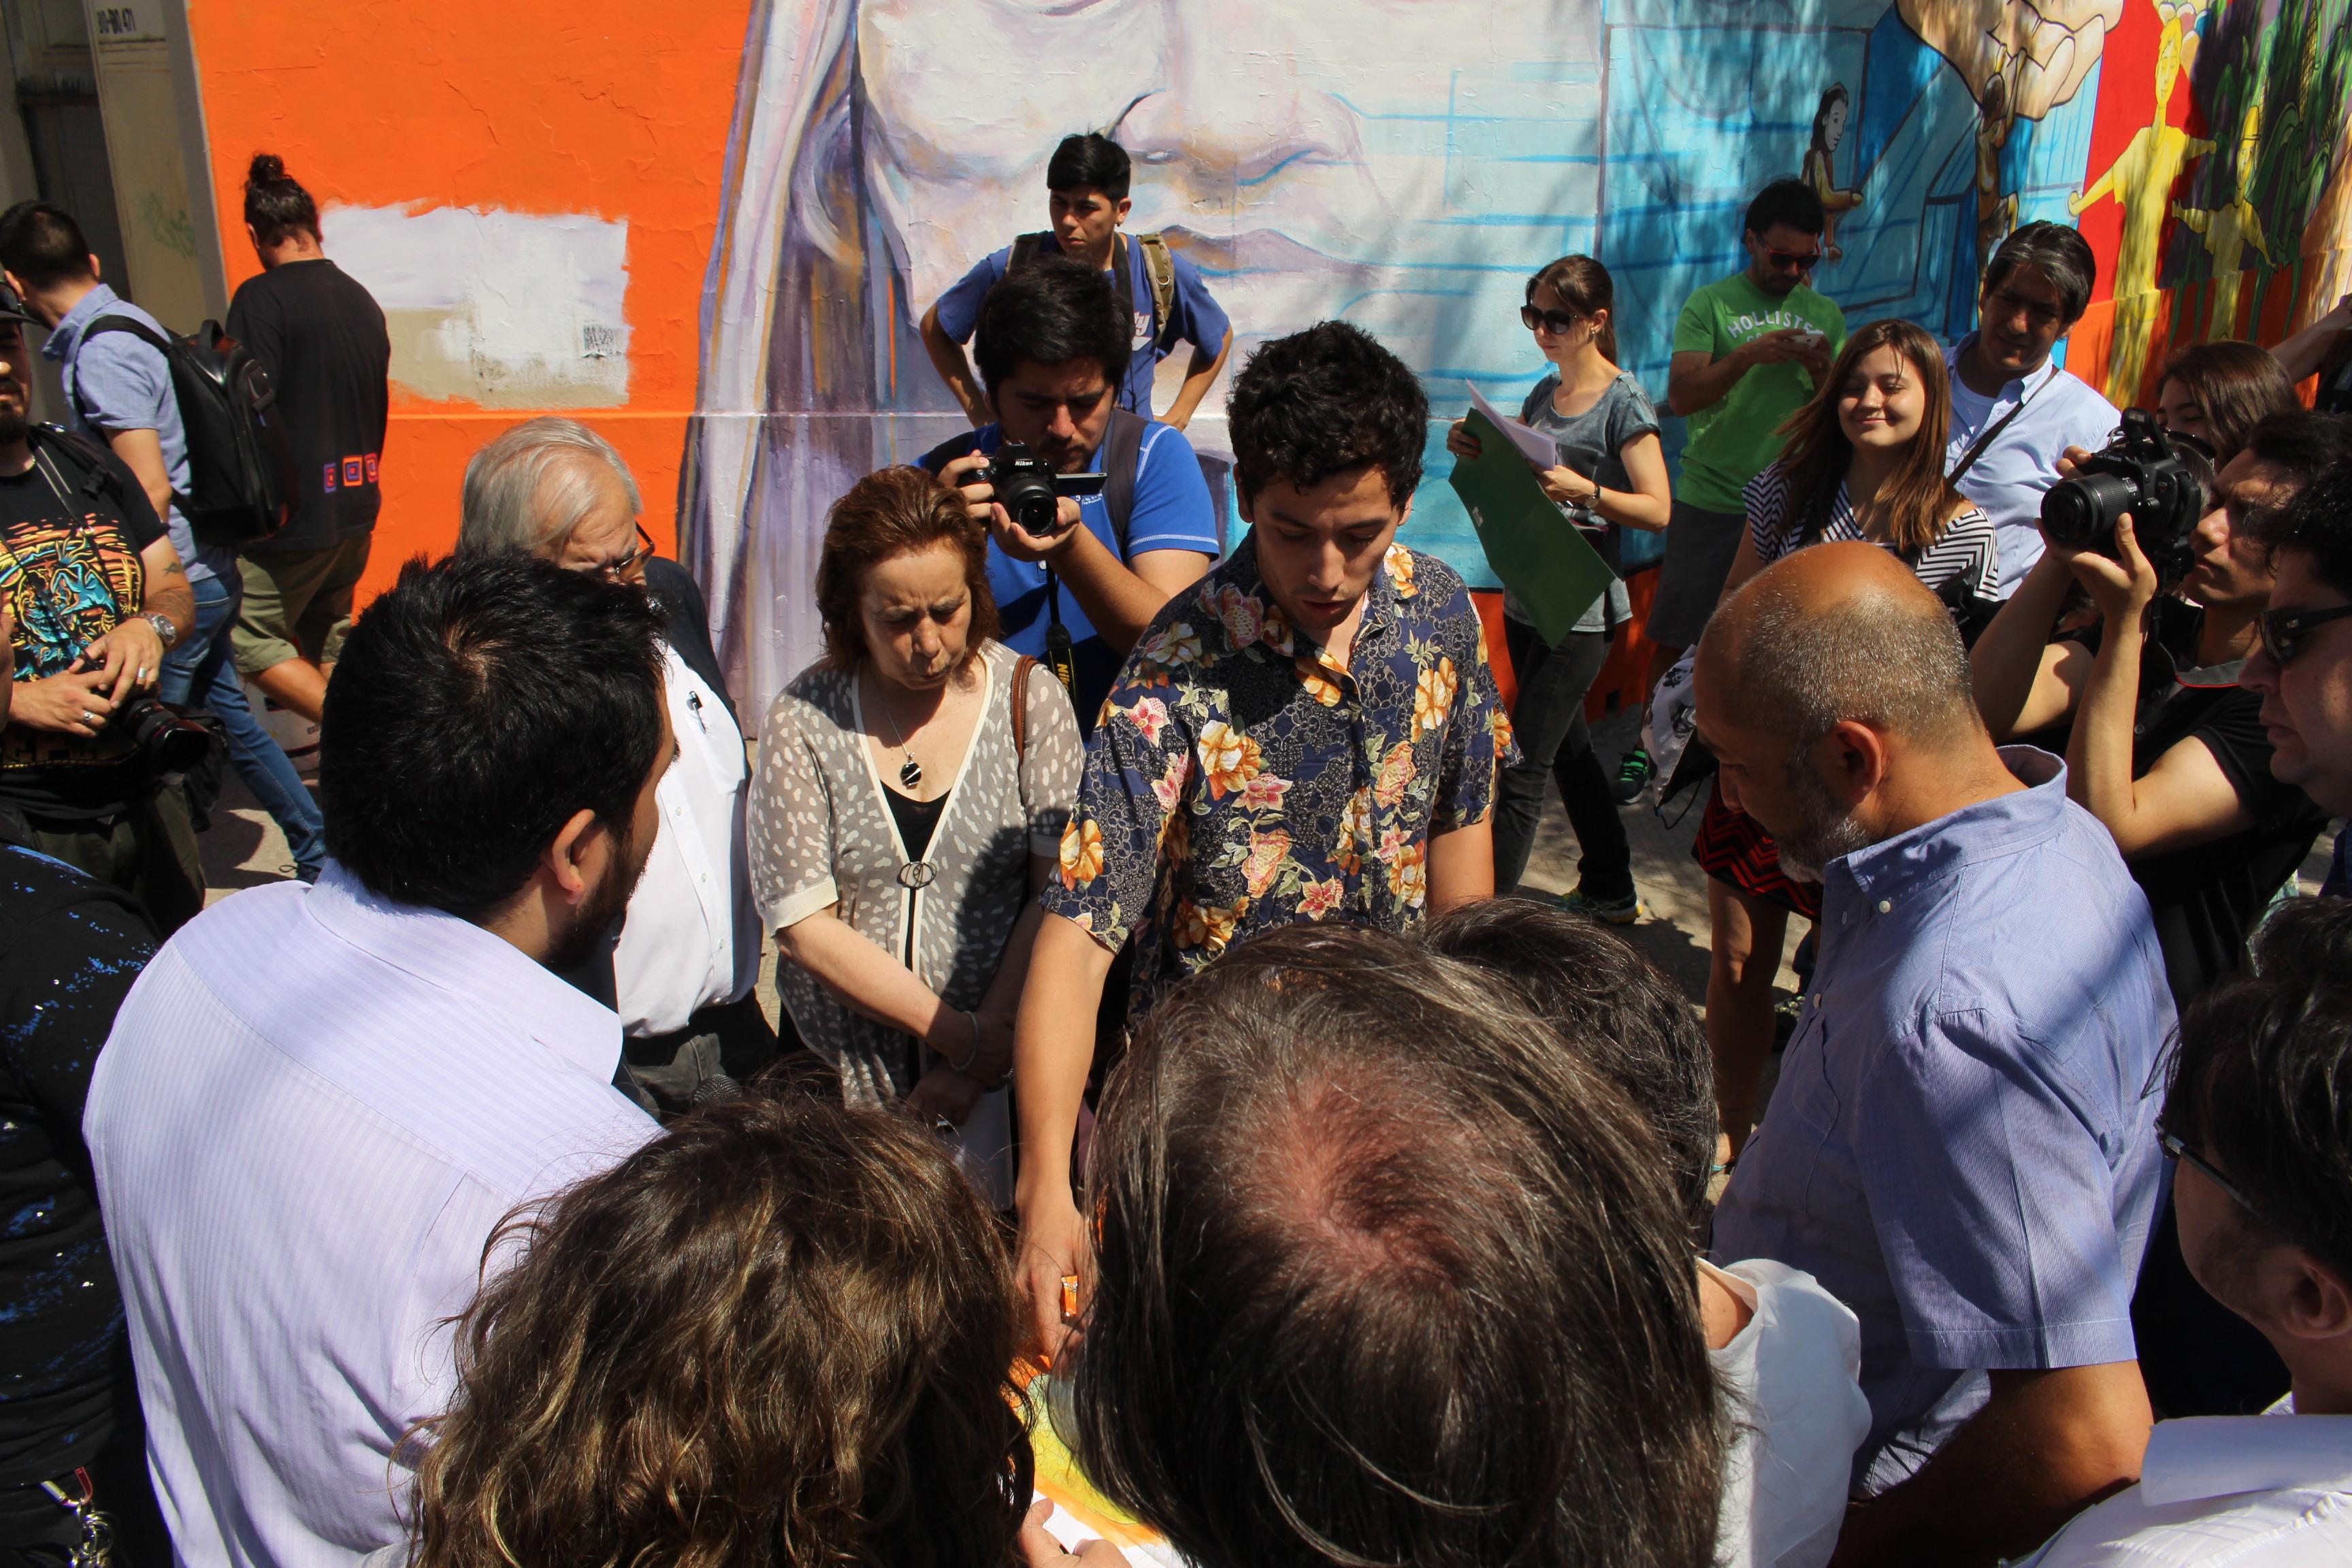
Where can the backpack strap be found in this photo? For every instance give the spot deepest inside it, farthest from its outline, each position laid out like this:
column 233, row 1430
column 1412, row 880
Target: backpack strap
column 1160, row 269
column 1025, row 250
column 85, row 456
column 1021, row 668
column 1122, row 455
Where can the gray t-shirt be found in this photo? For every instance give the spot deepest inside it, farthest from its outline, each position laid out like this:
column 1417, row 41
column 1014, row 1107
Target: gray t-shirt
column 1593, row 443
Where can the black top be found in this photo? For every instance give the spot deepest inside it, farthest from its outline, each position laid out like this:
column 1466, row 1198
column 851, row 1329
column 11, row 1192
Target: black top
column 916, row 820
column 321, row 337
column 69, row 565
column 2207, row 897
column 74, row 945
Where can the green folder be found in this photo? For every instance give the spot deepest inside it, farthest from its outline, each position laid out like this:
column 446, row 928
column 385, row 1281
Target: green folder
column 1530, row 541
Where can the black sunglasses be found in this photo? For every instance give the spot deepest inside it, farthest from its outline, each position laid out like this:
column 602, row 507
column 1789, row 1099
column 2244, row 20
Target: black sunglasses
column 1804, row 259
column 2181, row 1152
column 2282, row 631
column 1553, row 321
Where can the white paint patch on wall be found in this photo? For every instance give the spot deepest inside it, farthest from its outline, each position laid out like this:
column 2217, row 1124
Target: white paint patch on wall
column 507, row 309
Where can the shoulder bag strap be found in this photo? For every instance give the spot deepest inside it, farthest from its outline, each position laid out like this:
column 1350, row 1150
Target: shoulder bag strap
column 1122, row 455
column 1159, row 270
column 1992, row 431
column 1025, row 250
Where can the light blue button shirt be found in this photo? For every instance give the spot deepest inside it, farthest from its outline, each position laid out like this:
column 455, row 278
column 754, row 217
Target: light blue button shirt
column 315, row 1108
column 2009, row 479
column 115, row 382
column 1962, row 1145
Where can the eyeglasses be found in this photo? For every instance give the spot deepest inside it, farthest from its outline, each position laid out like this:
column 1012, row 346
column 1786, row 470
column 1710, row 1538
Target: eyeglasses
column 1553, row 321
column 620, row 567
column 2282, row 631
column 1803, row 260
column 2181, row 1152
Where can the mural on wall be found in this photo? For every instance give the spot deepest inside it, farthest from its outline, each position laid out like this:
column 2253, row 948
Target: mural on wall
column 1400, row 165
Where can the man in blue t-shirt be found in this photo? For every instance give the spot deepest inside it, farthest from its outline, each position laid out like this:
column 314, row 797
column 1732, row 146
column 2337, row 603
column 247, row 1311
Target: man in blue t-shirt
column 1052, row 345
column 1161, row 294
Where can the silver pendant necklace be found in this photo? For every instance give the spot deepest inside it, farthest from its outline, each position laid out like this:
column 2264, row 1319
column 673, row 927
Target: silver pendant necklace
column 910, row 771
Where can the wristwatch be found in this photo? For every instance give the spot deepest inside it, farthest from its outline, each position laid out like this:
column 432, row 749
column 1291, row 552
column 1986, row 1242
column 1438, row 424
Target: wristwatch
column 164, row 627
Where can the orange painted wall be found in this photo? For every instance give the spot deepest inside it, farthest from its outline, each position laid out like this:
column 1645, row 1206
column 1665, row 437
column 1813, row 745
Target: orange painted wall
column 533, row 106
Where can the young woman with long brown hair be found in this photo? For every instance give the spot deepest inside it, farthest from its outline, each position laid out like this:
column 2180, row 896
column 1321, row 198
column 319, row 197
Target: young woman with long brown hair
column 1865, row 460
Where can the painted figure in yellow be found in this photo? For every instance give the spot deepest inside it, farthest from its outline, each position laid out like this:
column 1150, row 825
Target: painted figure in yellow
column 2141, row 180
column 2229, row 229
column 1821, row 164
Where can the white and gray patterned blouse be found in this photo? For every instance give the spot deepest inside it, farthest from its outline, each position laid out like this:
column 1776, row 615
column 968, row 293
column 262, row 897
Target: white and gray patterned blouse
column 822, row 832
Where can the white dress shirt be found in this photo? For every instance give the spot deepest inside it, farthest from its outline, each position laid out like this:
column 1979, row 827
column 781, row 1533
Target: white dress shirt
column 1793, row 1377
column 692, row 935
column 2253, row 1491
column 314, row 1108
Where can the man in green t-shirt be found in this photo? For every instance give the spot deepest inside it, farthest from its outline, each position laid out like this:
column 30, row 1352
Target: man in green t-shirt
column 1747, row 352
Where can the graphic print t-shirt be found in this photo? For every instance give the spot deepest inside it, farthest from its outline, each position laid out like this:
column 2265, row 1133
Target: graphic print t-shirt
column 1732, row 442
column 70, row 575
column 321, row 337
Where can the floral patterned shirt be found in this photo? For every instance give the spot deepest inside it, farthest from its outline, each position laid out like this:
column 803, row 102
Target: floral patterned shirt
column 1237, row 780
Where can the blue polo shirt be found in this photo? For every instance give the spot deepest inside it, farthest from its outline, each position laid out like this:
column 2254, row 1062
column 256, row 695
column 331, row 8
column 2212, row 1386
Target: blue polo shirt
column 114, row 382
column 2009, row 479
column 1171, row 512
column 1198, row 318
column 1963, row 1145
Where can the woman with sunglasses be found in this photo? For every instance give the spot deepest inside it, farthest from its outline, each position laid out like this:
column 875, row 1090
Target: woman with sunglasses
column 1610, row 474
column 2167, row 749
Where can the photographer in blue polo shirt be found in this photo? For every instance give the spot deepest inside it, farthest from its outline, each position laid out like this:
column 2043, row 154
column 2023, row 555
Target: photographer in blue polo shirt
column 1052, row 345
column 1160, row 295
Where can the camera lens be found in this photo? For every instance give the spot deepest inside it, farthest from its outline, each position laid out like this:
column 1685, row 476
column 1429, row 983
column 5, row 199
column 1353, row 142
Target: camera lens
column 1028, row 499
column 2083, row 511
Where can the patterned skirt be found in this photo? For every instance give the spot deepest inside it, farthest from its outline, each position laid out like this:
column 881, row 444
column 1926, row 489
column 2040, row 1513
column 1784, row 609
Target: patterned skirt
column 1733, row 847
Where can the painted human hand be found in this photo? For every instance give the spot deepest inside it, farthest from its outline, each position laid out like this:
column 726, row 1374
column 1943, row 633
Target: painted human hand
column 2043, row 49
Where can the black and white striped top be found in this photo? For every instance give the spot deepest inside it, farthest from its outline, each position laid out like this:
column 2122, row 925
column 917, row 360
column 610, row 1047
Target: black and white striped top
column 1968, row 549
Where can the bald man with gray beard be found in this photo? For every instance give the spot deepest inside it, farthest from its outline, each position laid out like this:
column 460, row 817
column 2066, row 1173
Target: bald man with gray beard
column 1963, row 1145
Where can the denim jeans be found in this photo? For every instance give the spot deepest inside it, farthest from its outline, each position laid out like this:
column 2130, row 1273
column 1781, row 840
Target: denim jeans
column 201, row 673
column 1554, row 743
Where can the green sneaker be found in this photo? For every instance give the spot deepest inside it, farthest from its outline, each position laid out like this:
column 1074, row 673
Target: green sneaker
column 1621, row 912
column 1634, row 773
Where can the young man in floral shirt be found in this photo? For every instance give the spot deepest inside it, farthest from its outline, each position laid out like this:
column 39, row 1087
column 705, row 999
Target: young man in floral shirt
column 1311, row 733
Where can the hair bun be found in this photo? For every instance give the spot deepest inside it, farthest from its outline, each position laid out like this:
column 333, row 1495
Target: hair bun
column 267, row 168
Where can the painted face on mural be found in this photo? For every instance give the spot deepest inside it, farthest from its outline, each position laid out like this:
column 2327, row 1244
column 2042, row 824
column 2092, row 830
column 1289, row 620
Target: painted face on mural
column 1309, row 159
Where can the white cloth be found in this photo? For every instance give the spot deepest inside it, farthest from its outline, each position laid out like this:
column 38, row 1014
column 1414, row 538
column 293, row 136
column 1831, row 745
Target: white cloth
column 2253, row 1491
column 315, row 1108
column 691, row 938
column 1793, row 1376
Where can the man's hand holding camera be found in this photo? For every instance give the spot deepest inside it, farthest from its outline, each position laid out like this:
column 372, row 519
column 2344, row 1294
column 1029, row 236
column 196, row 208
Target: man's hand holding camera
column 968, row 475
column 2122, row 585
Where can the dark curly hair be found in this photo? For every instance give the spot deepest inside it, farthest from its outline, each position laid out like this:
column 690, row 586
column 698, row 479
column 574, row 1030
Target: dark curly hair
column 888, row 514
column 1054, row 310
column 1327, row 400
column 781, row 1334
column 276, row 205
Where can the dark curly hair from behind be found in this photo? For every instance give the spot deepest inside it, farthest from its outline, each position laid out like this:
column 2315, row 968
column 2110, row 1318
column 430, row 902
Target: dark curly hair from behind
column 782, row 1333
column 888, row 514
column 1054, row 311
column 276, row 205
column 1329, row 400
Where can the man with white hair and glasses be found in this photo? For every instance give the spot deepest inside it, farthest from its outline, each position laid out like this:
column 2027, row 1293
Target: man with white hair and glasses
column 682, row 967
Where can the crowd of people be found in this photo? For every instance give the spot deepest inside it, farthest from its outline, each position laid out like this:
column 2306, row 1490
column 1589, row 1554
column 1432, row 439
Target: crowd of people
column 1152, row 1057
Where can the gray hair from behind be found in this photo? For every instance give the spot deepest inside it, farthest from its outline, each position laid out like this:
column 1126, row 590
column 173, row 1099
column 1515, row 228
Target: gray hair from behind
column 534, row 483
column 1879, row 661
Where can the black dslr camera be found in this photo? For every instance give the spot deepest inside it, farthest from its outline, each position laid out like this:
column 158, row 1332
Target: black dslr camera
column 167, row 742
column 1027, row 488
column 2162, row 480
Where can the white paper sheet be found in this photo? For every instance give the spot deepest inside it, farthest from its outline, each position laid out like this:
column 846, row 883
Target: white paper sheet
column 1537, row 446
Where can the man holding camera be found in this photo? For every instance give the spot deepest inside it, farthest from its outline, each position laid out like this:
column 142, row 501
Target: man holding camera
column 1077, row 592
column 1160, row 295
column 2014, row 413
column 98, row 594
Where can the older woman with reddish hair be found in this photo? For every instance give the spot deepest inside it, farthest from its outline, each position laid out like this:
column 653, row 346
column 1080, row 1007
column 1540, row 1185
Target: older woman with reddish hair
column 912, row 789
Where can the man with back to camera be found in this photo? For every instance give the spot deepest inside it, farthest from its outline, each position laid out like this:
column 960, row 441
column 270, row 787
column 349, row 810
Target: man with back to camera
column 2302, row 663
column 1747, row 352
column 1161, row 294
column 1962, row 1146
column 2256, row 1118
column 1309, row 734
column 1052, row 345
column 2014, row 412
column 321, row 337
column 684, row 963
column 302, row 1160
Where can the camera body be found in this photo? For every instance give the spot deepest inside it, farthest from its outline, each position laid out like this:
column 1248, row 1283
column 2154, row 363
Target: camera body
column 167, row 742
column 1027, row 489
column 2143, row 472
